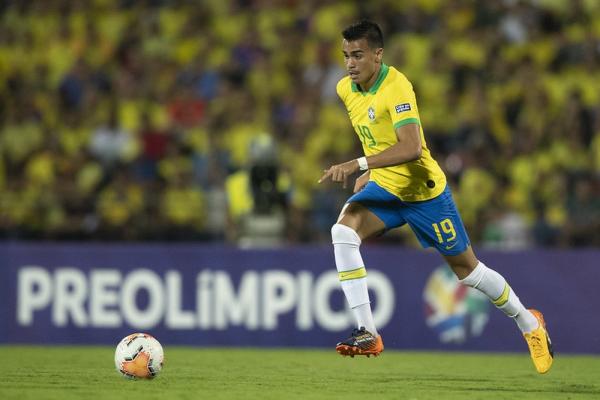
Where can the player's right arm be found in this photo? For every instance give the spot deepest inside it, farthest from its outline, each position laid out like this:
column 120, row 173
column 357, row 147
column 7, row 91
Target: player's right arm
column 342, row 172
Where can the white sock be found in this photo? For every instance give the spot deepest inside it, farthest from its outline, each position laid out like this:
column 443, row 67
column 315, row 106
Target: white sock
column 494, row 286
column 364, row 317
column 352, row 273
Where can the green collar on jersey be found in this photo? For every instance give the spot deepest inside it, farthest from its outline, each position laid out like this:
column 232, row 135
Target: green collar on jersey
column 383, row 71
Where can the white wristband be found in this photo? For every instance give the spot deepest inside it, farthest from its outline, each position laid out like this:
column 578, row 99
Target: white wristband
column 362, row 163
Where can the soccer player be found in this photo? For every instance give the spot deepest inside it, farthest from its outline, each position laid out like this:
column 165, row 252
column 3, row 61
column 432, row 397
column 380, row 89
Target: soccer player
column 402, row 184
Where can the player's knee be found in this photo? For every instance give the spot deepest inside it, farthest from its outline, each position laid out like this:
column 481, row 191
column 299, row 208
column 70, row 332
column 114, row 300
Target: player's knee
column 342, row 234
column 470, row 276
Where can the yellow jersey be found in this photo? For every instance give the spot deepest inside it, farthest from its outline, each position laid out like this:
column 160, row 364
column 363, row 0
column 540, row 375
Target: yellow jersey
column 375, row 114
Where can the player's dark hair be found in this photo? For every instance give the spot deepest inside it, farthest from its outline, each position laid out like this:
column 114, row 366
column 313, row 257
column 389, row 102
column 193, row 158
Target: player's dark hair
column 364, row 30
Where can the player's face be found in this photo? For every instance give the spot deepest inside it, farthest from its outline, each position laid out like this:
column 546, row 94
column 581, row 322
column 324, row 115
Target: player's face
column 362, row 62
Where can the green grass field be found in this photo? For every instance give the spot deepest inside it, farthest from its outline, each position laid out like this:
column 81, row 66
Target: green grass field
column 29, row 372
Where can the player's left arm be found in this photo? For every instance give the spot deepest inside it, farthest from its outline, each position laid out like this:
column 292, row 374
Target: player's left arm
column 408, row 148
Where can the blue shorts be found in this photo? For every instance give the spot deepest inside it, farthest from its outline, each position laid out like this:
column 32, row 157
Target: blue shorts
column 435, row 222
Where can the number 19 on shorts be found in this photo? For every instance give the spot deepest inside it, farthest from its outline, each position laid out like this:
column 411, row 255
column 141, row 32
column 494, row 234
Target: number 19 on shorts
column 444, row 230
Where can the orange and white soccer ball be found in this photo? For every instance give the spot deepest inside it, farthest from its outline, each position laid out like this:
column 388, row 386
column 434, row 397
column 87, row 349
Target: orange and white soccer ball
column 139, row 356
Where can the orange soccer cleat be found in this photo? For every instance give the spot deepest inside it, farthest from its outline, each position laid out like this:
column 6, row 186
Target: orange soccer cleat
column 360, row 343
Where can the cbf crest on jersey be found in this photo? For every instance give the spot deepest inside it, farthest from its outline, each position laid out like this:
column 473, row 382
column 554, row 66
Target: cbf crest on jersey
column 371, row 113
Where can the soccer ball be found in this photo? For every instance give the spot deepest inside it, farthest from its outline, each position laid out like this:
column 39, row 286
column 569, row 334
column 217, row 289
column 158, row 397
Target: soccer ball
column 139, row 356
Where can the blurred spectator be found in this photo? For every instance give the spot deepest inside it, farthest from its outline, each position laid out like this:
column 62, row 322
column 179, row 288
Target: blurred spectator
column 182, row 209
column 110, row 144
column 543, row 233
column 72, row 88
column 256, row 198
column 583, row 227
column 119, row 207
column 154, row 143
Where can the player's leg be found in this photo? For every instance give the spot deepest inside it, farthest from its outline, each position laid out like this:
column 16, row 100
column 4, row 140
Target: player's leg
column 368, row 212
column 355, row 224
column 472, row 272
column 476, row 274
column 437, row 223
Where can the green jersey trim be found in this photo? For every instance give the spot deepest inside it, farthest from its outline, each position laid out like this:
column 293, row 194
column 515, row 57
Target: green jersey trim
column 383, row 71
column 406, row 122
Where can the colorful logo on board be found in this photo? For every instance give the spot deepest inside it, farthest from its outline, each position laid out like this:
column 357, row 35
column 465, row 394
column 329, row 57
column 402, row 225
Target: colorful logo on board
column 454, row 311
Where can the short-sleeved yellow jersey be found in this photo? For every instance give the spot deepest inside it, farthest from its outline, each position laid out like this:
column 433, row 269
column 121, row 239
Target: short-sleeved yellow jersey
column 375, row 114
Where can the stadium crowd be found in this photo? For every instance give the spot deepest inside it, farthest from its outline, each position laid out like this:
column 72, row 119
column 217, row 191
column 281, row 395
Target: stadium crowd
column 212, row 120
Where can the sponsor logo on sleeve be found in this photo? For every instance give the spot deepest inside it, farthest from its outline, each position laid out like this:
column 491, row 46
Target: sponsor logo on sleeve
column 402, row 107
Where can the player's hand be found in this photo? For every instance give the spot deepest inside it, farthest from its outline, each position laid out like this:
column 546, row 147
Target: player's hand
column 340, row 172
column 361, row 181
